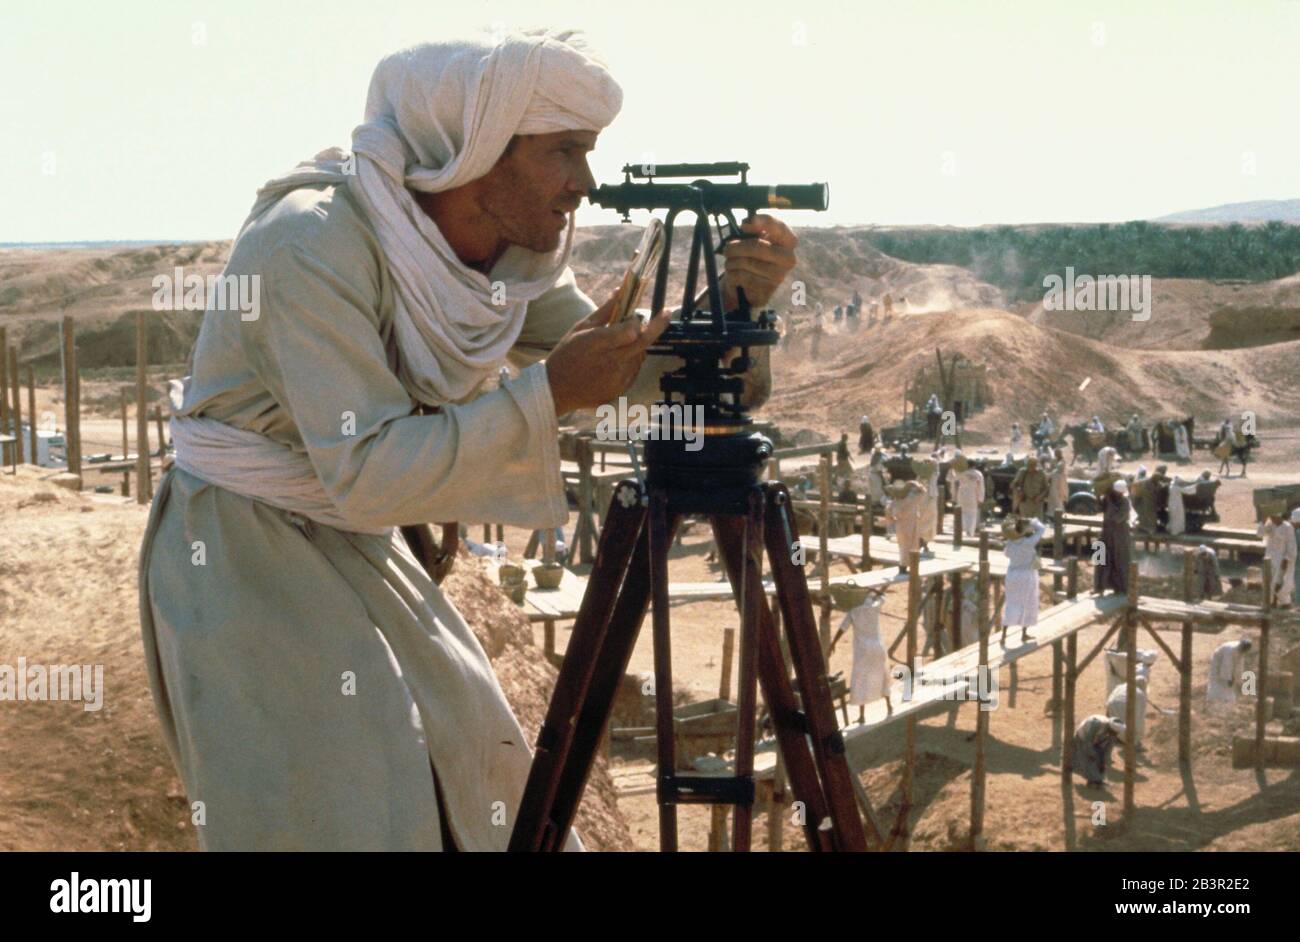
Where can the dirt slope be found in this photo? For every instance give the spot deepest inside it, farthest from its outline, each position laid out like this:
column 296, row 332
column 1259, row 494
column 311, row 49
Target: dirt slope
column 77, row 780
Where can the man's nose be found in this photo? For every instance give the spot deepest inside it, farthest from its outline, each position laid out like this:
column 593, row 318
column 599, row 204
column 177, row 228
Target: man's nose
column 584, row 182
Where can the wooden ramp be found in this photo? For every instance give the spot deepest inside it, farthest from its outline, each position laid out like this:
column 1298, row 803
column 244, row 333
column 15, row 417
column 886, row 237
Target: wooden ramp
column 886, row 551
column 943, row 684
column 1207, row 617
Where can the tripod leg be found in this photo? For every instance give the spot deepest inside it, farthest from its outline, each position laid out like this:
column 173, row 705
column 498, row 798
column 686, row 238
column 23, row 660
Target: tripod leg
column 534, row 822
column 743, row 557
column 659, row 542
column 777, row 691
column 810, row 670
column 620, row 639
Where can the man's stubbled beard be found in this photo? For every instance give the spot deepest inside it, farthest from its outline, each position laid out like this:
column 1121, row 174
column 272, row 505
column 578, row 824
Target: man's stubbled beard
column 522, row 211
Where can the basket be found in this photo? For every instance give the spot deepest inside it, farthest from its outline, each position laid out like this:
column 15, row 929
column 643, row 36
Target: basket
column 846, row 595
column 548, row 576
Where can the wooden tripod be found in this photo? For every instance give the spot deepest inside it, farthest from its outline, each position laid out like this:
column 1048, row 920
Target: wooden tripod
column 630, row 572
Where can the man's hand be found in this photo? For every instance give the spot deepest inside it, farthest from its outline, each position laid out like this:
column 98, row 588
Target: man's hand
column 759, row 265
column 593, row 364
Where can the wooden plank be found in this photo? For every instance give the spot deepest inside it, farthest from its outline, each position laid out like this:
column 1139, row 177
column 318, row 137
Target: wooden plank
column 1205, row 612
column 953, row 674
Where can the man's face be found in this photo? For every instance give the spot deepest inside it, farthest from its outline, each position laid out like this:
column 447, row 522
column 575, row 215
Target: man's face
column 531, row 190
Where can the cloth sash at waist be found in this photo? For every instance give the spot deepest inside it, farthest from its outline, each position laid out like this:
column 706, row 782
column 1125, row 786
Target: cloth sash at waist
column 257, row 467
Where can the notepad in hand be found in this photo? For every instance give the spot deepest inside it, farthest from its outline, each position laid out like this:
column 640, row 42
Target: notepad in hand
column 638, row 273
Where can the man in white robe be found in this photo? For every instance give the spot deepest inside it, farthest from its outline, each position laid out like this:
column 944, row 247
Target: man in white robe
column 970, row 495
column 1226, row 666
column 1280, row 551
column 1182, row 445
column 929, row 477
column 1107, row 460
column 1116, row 666
column 315, row 688
column 1178, row 489
column 1058, row 484
column 1020, row 599
column 869, row 677
column 904, row 513
column 1117, row 706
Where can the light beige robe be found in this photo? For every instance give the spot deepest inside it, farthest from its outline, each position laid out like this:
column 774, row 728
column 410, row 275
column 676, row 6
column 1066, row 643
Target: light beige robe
column 309, row 680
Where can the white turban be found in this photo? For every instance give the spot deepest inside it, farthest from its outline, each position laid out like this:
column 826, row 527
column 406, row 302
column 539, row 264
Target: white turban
column 438, row 116
column 1295, row 516
column 1120, row 486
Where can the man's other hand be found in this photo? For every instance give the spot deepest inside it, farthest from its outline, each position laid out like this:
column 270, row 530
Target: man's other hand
column 593, row 364
column 759, row 265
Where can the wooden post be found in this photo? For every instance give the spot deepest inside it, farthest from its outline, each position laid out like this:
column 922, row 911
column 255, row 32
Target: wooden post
column 978, row 770
column 1058, row 661
column 1058, row 547
column 71, row 397
column 548, row 638
column 126, row 443
column 866, row 527
column 144, row 476
column 957, row 598
column 15, row 380
column 1067, row 718
column 823, row 552
column 728, row 650
column 909, row 751
column 1261, row 684
column 868, row 531
column 1185, row 677
column 956, row 527
column 1130, row 686
column 4, row 383
column 1072, row 579
column 32, row 438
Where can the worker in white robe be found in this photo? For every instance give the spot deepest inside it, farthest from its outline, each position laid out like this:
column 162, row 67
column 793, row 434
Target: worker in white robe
column 904, row 513
column 1227, row 663
column 1058, row 484
column 1182, row 445
column 1178, row 489
column 1117, row 706
column 1020, row 601
column 876, row 477
column 869, row 677
column 1116, row 662
column 929, row 526
column 1107, row 460
column 1280, row 551
column 970, row 495
column 315, row 688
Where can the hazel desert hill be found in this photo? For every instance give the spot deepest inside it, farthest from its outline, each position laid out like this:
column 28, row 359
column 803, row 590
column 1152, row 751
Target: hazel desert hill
column 1030, row 368
column 1190, row 314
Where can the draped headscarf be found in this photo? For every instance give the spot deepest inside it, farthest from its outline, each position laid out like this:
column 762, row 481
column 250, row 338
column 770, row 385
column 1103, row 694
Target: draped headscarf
column 438, row 116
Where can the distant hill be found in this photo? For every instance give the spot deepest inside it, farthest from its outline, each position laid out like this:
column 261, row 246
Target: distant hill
column 1245, row 213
